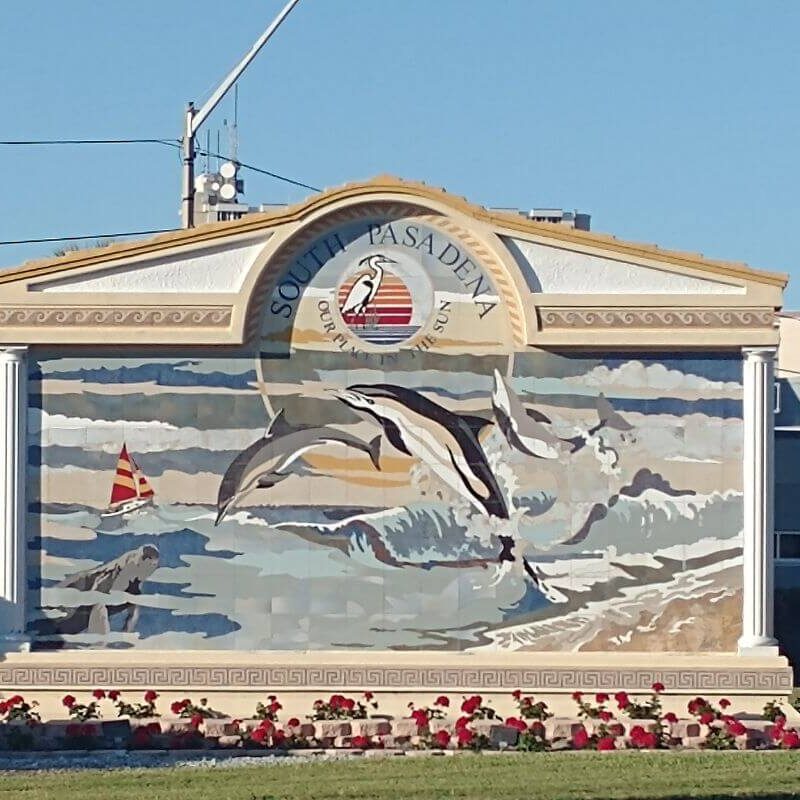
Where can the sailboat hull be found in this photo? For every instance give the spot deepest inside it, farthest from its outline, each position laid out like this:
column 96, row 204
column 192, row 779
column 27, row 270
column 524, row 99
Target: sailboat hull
column 125, row 508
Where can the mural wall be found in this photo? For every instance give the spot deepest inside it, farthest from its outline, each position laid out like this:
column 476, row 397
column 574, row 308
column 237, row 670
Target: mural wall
column 384, row 468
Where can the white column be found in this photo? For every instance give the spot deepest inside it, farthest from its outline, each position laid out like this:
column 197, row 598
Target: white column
column 759, row 476
column 13, row 541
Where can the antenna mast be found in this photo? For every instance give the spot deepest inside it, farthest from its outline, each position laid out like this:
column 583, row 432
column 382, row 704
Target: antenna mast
column 196, row 117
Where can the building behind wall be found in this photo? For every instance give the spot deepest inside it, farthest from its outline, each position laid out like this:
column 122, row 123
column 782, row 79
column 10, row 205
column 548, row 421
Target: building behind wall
column 392, row 440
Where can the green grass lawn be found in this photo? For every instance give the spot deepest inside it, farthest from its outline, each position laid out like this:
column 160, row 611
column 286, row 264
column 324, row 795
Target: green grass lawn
column 529, row 776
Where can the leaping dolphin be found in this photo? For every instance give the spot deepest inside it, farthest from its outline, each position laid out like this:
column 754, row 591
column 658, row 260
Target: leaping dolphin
column 525, row 429
column 264, row 462
column 444, row 441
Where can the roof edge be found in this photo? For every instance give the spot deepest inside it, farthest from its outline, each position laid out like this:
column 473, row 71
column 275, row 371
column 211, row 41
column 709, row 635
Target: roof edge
column 251, row 223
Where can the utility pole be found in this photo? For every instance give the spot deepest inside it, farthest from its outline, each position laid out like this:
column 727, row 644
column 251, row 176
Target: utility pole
column 195, row 118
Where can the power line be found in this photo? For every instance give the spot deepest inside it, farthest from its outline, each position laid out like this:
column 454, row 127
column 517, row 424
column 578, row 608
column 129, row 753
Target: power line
column 263, row 171
column 90, row 236
column 165, row 141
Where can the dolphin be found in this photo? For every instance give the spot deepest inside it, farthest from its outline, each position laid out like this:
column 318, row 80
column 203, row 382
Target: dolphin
column 525, row 429
column 263, row 463
column 445, row 441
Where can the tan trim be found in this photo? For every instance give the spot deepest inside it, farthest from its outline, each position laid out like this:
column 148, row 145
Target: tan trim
column 398, row 188
column 599, row 317
column 157, row 316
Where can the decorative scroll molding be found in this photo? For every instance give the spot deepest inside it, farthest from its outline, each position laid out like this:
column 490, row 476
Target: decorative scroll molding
column 656, row 318
column 750, row 680
column 110, row 316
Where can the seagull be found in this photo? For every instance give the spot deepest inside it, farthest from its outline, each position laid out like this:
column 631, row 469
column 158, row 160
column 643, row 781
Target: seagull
column 609, row 418
column 363, row 291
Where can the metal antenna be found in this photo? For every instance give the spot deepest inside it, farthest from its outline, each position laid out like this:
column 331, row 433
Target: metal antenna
column 194, row 118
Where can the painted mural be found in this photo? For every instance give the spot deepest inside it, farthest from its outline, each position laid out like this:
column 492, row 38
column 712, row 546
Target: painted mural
column 385, row 468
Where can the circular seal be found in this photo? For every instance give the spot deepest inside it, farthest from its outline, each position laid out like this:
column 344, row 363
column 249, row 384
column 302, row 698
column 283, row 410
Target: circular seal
column 385, row 298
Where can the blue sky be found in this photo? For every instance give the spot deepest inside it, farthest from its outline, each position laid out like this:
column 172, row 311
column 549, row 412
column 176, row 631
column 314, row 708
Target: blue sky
column 675, row 123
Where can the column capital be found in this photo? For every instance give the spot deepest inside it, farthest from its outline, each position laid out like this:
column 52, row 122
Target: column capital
column 764, row 354
column 14, row 352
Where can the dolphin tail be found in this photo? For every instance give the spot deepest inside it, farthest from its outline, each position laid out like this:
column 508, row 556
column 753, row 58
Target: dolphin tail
column 220, row 515
column 576, row 443
column 375, row 451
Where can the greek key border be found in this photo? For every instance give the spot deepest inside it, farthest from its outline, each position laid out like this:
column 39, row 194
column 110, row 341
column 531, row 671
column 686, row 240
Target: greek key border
column 232, row 677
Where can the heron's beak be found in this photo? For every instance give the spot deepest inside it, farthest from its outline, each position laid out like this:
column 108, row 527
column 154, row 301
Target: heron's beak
column 221, row 514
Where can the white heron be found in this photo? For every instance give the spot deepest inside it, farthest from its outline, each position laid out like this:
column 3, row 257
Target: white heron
column 363, row 291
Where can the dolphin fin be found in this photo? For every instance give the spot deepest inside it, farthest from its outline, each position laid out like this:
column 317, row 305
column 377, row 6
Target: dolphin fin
column 475, row 424
column 393, row 435
column 375, row 451
column 538, row 416
column 279, row 426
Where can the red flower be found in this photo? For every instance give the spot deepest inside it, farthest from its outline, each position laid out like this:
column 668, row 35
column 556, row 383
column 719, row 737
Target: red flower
column 368, row 696
column 98, row 694
column 790, row 740
column 178, row 706
column 606, row 743
column 275, row 707
column 602, row 697
column 465, row 737
column 695, row 705
column 441, row 738
column 278, row 737
column 736, row 728
column 259, row 735
column 348, row 704
column 670, row 717
column 442, row 700
column 336, row 700
column 649, row 741
column 580, row 738
column 462, row 723
column 16, row 699
column 113, row 694
column 150, row 696
column 616, row 729
column 266, row 725
column 657, row 687
column 272, row 697
column 636, row 733
column 360, row 742
column 537, row 728
column 622, row 698
column 420, row 716
column 516, row 694
column 576, row 696
column 470, row 705
column 293, row 723
column 519, row 724
column 68, row 700
column 3, row 707
column 197, row 720
column 724, row 703
column 707, row 717
column 605, row 716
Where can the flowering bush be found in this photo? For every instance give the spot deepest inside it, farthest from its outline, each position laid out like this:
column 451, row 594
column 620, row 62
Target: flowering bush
column 531, row 738
column 423, row 716
column 17, row 709
column 527, row 709
column 269, row 711
column 650, row 738
column 197, row 713
column 646, row 709
column 81, row 711
column 268, row 734
column 474, row 708
column 467, row 738
column 136, row 711
column 601, row 739
column 589, row 711
column 341, row 707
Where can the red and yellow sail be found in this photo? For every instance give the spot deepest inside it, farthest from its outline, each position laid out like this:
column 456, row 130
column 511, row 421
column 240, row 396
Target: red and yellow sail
column 129, row 481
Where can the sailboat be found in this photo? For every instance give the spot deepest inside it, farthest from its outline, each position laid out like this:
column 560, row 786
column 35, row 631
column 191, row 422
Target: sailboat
column 131, row 489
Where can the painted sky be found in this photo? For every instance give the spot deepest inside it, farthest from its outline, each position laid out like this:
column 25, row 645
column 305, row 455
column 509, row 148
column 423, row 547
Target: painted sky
column 671, row 123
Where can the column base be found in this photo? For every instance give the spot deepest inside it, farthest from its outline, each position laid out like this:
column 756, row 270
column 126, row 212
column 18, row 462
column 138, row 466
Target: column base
column 14, row 643
column 757, row 646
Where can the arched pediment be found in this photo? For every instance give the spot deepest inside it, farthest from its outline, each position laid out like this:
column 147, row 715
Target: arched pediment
column 557, row 286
